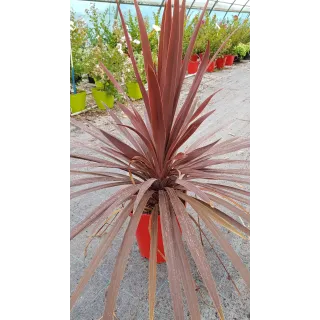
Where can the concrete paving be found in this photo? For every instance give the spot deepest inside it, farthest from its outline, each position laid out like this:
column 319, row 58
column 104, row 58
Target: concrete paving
column 132, row 304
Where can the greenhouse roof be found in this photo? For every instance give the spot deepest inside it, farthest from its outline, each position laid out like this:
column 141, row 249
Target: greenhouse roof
column 236, row 6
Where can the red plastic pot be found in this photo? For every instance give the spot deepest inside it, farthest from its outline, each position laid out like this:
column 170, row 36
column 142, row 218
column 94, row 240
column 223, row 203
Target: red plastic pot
column 193, row 67
column 143, row 238
column 201, row 55
column 220, row 63
column 211, row 67
column 194, row 57
column 229, row 60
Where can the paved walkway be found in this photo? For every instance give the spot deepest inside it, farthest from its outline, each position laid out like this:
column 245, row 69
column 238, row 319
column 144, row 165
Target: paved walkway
column 132, row 304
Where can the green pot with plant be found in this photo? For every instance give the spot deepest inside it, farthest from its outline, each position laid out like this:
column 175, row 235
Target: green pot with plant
column 104, row 96
column 159, row 170
column 104, row 93
column 133, row 89
column 78, row 101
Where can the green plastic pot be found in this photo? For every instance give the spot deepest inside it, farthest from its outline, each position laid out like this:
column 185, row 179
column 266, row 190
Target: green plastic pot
column 134, row 90
column 78, row 101
column 100, row 97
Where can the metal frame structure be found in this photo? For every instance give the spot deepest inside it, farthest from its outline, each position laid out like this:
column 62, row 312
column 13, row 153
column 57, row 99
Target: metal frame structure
column 161, row 6
column 191, row 7
column 243, row 7
column 228, row 9
column 195, row 4
column 213, row 7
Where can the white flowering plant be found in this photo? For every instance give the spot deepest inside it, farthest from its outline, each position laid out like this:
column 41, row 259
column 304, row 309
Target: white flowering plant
column 128, row 72
column 110, row 57
column 134, row 32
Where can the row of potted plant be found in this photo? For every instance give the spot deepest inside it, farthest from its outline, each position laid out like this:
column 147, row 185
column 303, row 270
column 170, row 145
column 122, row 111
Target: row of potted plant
column 240, row 51
column 95, row 43
column 98, row 41
column 237, row 47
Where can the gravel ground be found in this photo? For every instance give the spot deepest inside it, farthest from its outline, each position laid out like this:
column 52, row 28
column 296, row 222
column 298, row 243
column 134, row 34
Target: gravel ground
column 132, row 304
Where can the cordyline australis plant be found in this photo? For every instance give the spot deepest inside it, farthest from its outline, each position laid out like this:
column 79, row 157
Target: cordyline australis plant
column 156, row 176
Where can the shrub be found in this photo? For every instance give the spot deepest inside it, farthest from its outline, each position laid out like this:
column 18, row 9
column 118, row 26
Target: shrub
column 100, row 27
column 241, row 50
column 78, row 38
column 111, row 57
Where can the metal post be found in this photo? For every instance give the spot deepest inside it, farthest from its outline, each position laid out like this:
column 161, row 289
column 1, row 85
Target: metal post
column 117, row 11
column 162, row 5
column 213, row 7
column 229, row 9
column 190, row 7
column 243, row 7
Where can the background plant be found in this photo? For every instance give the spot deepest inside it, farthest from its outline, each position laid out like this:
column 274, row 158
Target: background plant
column 128, row 72
column 189, row 25
column 242, row 35
column 223, row 32
column 157, row 170
column 109, row 56
column 153, row 35
column 241, row 50
column 201, row 41
column 78, row 38
column 133, row 29
column 100, row 26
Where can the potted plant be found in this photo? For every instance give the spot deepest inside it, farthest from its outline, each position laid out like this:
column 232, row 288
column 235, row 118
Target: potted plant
column 99, row 30
column 230, row 26
column 240, row 51
column 242, row 35
column 130, row 79
column 229, row 54
column 104, row 93
column 187, row 34
column 189, row 26
column 78, row 38
column 157, row 171
column 222, row 33
column 247, row 56
column 202, row 38
column 221, row 61
column 77, row 101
